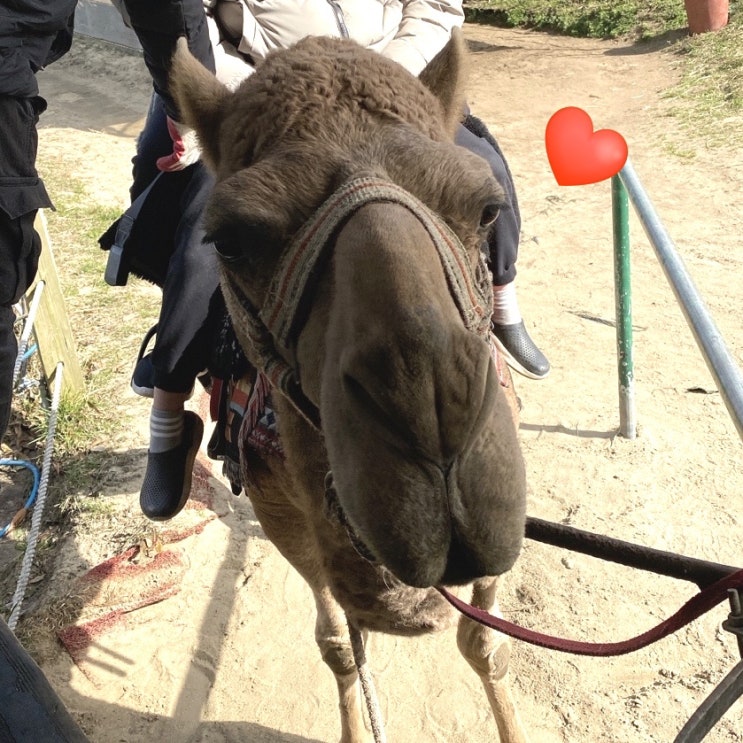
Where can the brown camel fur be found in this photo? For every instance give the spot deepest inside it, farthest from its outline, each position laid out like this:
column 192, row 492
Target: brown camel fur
column 418, row 433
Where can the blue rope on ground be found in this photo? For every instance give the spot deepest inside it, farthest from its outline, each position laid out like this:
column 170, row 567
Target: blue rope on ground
column 31, row 351
column 34, row 489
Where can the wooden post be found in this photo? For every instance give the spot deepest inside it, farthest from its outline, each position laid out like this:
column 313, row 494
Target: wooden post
column 52, row 326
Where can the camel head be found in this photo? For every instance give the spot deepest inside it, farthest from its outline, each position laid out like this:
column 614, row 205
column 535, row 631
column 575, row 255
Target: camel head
column 419, row 435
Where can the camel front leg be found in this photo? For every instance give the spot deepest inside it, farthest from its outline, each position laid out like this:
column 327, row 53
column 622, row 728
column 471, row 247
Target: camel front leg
column 489, row 652
column 331, row 635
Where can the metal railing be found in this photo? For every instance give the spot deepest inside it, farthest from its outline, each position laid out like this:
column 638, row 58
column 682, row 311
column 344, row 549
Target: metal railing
column 722, row 365
column 626, row 187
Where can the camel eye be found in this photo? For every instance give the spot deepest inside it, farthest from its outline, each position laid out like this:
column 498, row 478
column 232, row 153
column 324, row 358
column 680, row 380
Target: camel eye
column 243, row 242
column 229, row 250
column 489, row 214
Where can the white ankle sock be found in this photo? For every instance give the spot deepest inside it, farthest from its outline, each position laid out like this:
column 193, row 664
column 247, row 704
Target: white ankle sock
column 166, row 429
column 505, row 305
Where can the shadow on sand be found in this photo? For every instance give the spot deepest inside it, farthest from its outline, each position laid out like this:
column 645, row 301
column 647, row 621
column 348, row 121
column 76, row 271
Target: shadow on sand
column 19, row 671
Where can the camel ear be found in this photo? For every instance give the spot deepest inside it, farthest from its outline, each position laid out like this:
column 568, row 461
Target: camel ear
column 445, row 77
column 200, row 97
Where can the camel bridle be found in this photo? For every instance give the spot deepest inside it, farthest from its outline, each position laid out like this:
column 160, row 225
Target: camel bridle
column 273, row 330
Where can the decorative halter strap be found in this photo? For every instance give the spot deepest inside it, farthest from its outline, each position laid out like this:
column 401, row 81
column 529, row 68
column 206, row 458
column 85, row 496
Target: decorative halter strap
column 473, row 294
column 273, row 330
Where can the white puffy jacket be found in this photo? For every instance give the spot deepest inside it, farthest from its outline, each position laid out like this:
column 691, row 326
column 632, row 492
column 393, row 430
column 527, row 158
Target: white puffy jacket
column 411, row 32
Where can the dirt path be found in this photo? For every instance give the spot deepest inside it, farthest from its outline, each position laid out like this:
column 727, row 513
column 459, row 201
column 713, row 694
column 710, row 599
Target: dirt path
column 230, row 656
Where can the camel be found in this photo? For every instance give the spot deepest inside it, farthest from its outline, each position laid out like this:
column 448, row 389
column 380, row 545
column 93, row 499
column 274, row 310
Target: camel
column 350, row 231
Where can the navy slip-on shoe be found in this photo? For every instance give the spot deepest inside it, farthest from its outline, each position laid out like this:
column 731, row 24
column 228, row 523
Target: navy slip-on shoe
column 520, row 351
column 144, row 374
column 167, row 479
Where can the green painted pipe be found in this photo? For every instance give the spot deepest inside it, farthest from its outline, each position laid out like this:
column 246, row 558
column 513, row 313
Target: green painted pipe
column 623, row 306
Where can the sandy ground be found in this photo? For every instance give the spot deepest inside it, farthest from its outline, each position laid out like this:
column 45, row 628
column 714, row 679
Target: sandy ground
column 230, row 656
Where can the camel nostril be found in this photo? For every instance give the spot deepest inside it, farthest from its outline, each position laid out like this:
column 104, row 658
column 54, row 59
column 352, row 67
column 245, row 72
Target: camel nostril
column 374, row 403
column 371, row 403
column 356, row 390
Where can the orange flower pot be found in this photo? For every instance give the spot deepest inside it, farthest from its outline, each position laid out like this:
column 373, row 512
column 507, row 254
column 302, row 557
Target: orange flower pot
column 706, row 15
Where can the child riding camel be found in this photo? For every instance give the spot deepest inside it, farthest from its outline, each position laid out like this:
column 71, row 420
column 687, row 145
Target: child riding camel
column 229, row 37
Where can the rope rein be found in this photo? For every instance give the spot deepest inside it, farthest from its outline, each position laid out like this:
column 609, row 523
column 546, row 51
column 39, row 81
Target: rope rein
column 698, row 605
column 367, row 684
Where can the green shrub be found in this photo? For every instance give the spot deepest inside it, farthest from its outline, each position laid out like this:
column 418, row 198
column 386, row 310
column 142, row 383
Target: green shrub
column 594, row 18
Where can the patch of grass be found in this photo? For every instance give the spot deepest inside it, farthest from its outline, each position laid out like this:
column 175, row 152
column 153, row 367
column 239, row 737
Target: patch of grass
column 81, row 505
column 680, row 151
column 593, row 18
column 79, row 420
column 37, row 627
column 709, row 96
column 108, row 324
column 79, row 470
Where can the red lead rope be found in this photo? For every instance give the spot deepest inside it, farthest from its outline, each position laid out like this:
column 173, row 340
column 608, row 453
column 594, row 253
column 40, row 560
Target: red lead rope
column 691, row 610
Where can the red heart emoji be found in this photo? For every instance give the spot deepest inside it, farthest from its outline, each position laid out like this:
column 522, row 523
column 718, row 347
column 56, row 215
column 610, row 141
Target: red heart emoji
column 577, row 154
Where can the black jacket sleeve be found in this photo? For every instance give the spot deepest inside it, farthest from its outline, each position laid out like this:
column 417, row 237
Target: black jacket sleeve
column 158, row 25
column 33, row 34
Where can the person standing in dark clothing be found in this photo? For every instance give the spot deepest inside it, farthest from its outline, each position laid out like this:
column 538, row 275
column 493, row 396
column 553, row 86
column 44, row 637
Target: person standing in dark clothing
column 33, row 34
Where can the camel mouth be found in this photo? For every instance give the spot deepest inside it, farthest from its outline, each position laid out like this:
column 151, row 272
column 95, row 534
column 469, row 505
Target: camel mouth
column 335, row 514
column 459, row 563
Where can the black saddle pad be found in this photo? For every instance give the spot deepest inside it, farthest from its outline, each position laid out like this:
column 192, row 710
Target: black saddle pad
column 142, row 240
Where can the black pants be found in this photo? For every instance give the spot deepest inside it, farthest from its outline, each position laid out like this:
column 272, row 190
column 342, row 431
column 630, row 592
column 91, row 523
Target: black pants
column 22, row 193
column 503, row 241
column 191, row 309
